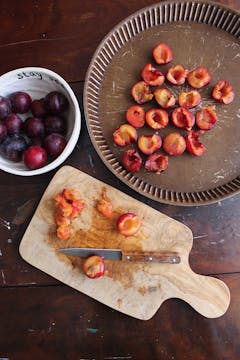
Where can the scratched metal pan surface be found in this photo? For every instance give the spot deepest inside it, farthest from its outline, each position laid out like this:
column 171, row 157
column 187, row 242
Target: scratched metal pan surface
column 199, row 33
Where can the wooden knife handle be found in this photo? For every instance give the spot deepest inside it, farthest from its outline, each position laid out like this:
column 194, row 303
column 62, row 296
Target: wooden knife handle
column 155, row 256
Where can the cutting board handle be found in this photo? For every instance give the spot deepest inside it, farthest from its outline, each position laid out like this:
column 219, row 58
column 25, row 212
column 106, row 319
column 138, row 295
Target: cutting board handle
column 207, row 295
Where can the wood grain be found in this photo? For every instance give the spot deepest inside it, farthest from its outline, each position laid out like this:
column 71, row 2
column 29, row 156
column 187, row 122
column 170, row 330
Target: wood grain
column 41, row 318
column 59, row 323
column 216, row 246
column 60, row 35
column 136, row 289
column 48, row 35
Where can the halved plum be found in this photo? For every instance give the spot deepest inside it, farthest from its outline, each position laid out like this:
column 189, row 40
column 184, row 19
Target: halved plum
column 206, row 118
column 128, row 224
column 156, row 162
column 93, row 266
column 183, row 118
column 189, row 99
column 152, row 76
column 105, row 208
column 124, row 135
column 141, row 92
column 162, row 53
column 157, row 118
column 176, row 74
column 164, row 98
column 194, row 146
column 131, row 160
column 174, row 144
column 199, row 77
column 148, row 144
column 136, row 116
column 223, row 92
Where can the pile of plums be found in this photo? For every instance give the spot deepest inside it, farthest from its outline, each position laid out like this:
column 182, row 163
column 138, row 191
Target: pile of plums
column 38, row 138
column 167, row 108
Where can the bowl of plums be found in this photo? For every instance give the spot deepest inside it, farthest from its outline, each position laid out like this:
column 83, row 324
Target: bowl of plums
column 40, row 121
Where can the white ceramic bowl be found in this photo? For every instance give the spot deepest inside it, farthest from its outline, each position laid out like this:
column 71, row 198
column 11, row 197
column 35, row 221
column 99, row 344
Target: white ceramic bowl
column 37, row 82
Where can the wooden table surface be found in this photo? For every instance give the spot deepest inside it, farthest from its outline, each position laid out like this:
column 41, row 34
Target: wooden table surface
column 44, row 319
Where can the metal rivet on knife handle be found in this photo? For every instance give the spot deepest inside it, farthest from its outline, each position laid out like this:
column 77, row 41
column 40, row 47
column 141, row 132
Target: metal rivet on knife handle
column 156, row 256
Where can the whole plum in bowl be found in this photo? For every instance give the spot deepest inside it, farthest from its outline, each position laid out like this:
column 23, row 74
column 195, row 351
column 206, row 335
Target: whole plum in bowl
column 40, row 121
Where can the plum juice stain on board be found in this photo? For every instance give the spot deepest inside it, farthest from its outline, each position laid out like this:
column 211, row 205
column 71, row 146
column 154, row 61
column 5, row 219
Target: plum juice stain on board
column 102, row 233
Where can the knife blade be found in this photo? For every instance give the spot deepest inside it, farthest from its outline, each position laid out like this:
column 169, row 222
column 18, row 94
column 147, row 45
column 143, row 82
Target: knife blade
column 120, row 255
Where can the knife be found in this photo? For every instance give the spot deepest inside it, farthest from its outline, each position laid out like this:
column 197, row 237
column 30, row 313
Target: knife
column 117, row 254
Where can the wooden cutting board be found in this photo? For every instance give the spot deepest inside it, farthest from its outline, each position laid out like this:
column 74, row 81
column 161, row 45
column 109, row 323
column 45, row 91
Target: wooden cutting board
column 136, row 289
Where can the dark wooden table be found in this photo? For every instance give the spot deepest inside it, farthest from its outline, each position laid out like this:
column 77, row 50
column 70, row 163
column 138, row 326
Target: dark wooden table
column 41, row 318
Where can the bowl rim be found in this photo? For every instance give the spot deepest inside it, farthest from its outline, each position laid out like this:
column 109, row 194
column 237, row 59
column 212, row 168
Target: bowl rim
column 75, row 132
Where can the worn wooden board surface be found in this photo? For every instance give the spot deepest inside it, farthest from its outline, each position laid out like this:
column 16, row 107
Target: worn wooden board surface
column 135, row 289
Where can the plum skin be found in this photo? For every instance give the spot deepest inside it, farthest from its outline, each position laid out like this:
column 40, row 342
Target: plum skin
column 174, row 144
column 34, row 157
column 149, row 143
column 20, row 102
column 131, row 160
column 156, row 162
column 38, row 108
column 127, row 219
column 55, row 124
column 157, row 118
column 194, row 146
column 162, row 53
column 135, row 115
column 152, row 76
column 141, row 92
column 13, row 146
column 5, row 107
column 34, row 127
column 124, row 135
column 3, row 131
column 13, row 123
column 31, row 132
column 55, row 102
column 54, row 144
column 183, row 118
column 93, row 266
